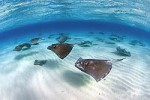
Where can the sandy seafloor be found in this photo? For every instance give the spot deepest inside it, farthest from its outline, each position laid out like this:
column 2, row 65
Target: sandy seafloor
column 61, row 80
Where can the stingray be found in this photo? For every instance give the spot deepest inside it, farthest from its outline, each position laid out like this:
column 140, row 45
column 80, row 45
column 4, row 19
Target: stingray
column 61, row 50
column 109, row 42
column 96, row 68
column 116, row 38
column 85, row 44
column 40, row 62
column 141, row 44
column 62, row 39
column 133, row 42
column 35, row 40
column 23, row 46
column 136, row 42
column 99, row 39
column 63, row 34
column 122, row 52
column 50, row 36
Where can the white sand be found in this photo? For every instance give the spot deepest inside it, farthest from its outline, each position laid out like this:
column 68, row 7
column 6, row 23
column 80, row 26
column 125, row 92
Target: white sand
column 60, row 80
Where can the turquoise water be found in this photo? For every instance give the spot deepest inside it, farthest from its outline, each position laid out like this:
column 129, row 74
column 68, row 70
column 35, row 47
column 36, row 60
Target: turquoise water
column 95, row 28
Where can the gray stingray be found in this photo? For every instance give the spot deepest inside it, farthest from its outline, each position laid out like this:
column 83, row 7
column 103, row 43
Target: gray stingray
column 40, row 62
column 62, row 39
column 23, row 46
column 61, row 50
column 96, row 68
column 35, row 40
column 122, row 51
column 116, row 38
column 136, row 42
column 85, row 44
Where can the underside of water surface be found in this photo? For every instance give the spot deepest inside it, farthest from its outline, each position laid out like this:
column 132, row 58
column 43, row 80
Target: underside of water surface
column 58, row 49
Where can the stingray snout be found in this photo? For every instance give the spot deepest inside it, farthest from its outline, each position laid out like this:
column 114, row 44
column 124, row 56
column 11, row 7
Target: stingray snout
column 49, row 47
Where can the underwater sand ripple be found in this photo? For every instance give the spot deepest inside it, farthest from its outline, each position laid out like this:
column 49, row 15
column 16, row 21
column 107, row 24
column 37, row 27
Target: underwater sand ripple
column 128, row 79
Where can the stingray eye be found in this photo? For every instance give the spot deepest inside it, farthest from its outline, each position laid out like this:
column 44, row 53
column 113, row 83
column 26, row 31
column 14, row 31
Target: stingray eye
column 54, row 46
column 86, row 63
column 81, row 62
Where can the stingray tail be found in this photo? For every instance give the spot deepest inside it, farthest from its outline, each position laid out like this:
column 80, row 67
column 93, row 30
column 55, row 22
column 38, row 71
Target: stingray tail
column 117, row 60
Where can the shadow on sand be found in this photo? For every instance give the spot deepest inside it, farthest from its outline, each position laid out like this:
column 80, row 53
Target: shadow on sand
column 76, row 79
column 21, row 56
column 52, row 64
column 116, row 53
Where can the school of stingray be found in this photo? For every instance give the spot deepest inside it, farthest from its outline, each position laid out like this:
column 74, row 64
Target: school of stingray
column 96, row 68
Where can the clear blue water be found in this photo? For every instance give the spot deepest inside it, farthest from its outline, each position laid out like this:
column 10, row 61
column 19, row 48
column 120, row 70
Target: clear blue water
column 81, row 20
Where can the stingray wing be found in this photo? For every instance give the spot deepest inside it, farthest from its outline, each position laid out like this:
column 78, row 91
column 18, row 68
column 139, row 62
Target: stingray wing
column 98, row 69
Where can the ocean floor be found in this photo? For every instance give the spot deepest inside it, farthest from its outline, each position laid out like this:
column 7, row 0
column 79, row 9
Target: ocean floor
column 59, row 79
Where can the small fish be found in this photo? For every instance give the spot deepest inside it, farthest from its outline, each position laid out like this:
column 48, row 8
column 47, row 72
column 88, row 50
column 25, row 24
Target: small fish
column 23, row 46
column 35, row 40
column 40, row 62
column 98, row 69
column 61, row 50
